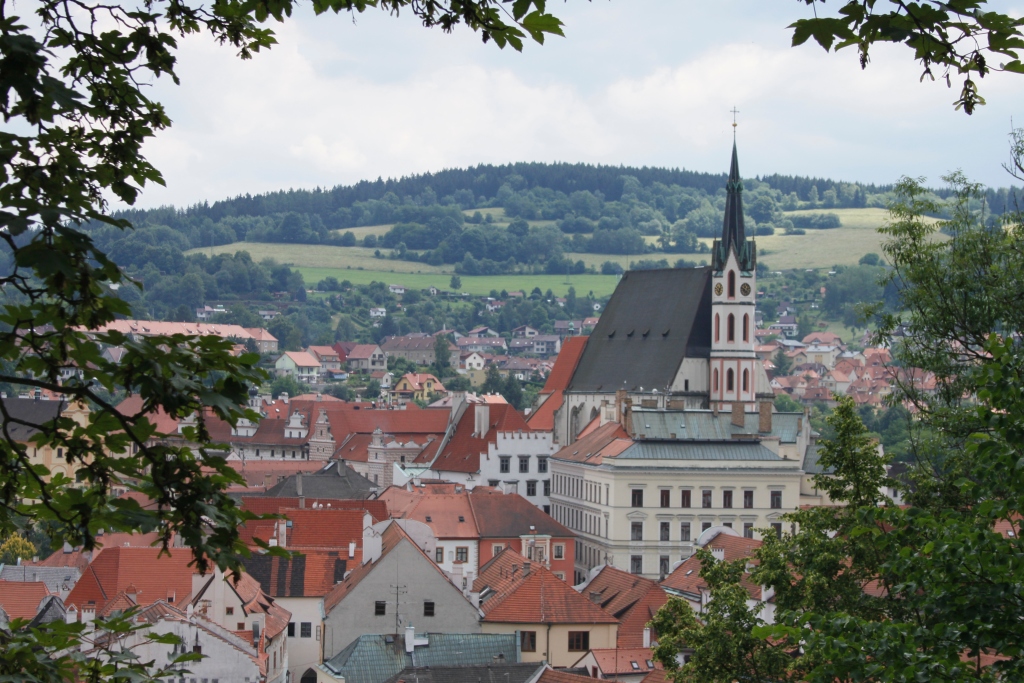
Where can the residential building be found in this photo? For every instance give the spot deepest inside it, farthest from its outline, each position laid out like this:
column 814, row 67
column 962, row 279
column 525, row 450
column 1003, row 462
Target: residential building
column 148, row 328
column 397, row 585
column 366, row 358
column 301, row 365
column 524, row 332
column 417, row 386
column 379, row 312
column 547, row 344
column 626, row 665
column 568, row 328
column 379, row 658
column 25, row 600
column 631, row 599
column 206, row 312
column 31, row 416
column 484, row 344
column 482, row 331
column 396, row 289
column 554, row 623
column 334, row 481
column 265, row 342
column 58, row 580
column 268, row 315
column 330, row 361
column 417, row 348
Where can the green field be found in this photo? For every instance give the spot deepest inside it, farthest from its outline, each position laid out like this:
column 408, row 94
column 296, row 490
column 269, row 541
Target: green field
column 601, row 285
column 316, row 256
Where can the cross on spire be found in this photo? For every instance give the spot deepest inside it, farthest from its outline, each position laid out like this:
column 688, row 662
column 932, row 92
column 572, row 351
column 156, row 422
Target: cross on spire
column 734, row 111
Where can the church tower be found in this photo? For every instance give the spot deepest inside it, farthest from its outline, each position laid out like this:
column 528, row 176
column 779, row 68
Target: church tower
column 735, row 369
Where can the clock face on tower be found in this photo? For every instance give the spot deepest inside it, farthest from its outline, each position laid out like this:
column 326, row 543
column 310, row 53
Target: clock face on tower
column 745, row 289
column 718, row 289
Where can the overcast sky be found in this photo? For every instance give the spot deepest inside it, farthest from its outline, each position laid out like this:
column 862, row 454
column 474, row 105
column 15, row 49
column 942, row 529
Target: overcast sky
column 636, row 82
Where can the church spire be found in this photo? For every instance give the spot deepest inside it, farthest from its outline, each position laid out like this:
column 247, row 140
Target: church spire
column 733, row 235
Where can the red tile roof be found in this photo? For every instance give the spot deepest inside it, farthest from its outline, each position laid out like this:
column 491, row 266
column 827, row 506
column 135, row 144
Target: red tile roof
column 616, row 662
column 565, row 364
column 516, row 596
column 608, row 440
column 20, row 599
column 686, row 577
column 632, row 599
column 462, row 452
column 543, row 418
column 155, row 577
column 555, row 676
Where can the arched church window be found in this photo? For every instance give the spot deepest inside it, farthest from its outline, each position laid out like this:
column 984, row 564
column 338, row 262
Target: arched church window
column 730, row 329
column 717, row 326
column 715, row 382
column 746, row 380
column 730, row 381
column 732, row 284
column 746, row 327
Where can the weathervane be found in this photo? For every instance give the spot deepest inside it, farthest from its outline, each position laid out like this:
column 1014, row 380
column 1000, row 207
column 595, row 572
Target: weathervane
column 734, row 111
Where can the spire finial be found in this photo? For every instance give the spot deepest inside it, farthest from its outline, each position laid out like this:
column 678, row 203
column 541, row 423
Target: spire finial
column 734, row 111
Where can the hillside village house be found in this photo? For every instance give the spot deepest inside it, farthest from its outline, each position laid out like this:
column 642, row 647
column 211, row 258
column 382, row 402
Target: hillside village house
column 366, row 358
column 417, row 348
column 330, row 360
column 483, row 344
column 379, row 312
column 265, row 342
column 29, row 415
column 301, row 365
column 416, row 386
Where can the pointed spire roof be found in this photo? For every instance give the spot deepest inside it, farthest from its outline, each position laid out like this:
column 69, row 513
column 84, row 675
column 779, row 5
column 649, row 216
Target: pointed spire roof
column 733, row 235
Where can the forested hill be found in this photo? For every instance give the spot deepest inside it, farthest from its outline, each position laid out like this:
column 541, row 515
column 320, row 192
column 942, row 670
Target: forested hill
column 484, row 182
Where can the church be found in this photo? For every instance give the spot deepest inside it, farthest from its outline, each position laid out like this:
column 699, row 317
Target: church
column 676, row 338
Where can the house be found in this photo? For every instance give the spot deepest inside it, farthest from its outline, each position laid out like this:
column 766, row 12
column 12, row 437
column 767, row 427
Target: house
column 554, row 622
column 417, row 386
column 379, row 312
column 366, row 602
column 473, row 525
column 628, row 665
column 417, row 348
column 330, row 361
column 589, row 324
column 25, row 600
column 58, row 580
column 822, row 338
column 788, row 326
column 265, row 342
column 524, row 332
column 334, row 481
column 268, row 315
column 396, row 289
column 482, row 331
column 31, row 416
column 547, row 344
column 382, row 658
column 568, row 328
column 301, row 365
column 366, row 358
column 482, row 344
column 631, row 599
column 206, row 312
column 724, row 544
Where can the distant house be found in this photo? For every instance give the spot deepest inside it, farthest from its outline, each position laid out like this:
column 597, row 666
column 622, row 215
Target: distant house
column 205, row 313
column 568, row 328
column 482, row 344
column 265, row 342
column 417, row 386
column 300, row 365
column 524, row 332
column 787, row 326
column 269, row 315
column 547, row 344
column 396, row 289
column 378, row 312
column 482, row 331
column 330, row 361
column 417, row 348
column 367, row 358
column 589, row 324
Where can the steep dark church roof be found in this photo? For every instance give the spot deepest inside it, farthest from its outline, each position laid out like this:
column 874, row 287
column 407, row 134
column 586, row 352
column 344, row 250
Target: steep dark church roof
column 654, row 319
column 733, row 235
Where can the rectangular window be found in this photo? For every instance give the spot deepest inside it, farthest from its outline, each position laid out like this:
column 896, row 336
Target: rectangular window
column 704, row 526
column 229, row 611
column 665, row 496
column 531, row 488
column 579, row 641
column 684, row 531
column 505, row 464
column 379, row 608
column 306, row 629
column 524, row 464
column 439, row 554
column 686, row 499
column 636, row 564
column 705, row 498
column 428, row 608
column 547, row 487
column 776, row 499
column 528, row 641
column 291, row 630
column 778, row 528
column 663, row 565
column 496, row 548
column 559, row 551
column 493, row 483
column 664, row 531
column 638, row 498
column 462, row 554
column 636, row 531
column 748, row 530
column 748, row 499
column 727, row 499
column 542, row 465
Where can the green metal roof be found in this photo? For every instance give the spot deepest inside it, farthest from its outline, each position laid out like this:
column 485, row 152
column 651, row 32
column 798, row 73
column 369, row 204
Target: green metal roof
column 372, row 659
column 812, row 464
column 704, row 425
column 704, row 450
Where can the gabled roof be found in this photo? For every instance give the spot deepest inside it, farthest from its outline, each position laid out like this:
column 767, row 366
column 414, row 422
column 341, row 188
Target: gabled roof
column 55, row 578
column 335, row 480
column 312, row 574
column 501, row 515
column 631, row 599
column 363, row 351
column 260, row 334
column 35, row 413
column 302, row 359
column 555, row 676
column 608, row 440
column 625, row 661
column 686, row 577
column 20, row 599
column 154, row 577
column 515, row 591
column 654, row 319
column 462, row 451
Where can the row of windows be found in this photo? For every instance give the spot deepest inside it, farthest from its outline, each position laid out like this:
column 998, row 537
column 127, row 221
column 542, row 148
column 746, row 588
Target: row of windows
column 636, row 562
column 531, row 486
column 505, row 464
column 686, row 498
column 577, row 487
column 579, row 520
column 380, row 608
column 730, row 380
column 730, row 327
column 579, row 641
column 305, row 630
column 460, row 555
column 636, row 530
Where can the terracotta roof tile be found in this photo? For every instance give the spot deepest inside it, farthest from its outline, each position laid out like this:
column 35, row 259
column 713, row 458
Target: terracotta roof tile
column 686, row 577
column 555, row 676
column 565, row 364
column 462, row 452
column 20, row 599
column 167, row 577
column 631, row 599
column 616, row 662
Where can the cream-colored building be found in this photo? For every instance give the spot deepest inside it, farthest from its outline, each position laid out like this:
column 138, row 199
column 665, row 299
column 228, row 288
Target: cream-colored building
column 640, row 492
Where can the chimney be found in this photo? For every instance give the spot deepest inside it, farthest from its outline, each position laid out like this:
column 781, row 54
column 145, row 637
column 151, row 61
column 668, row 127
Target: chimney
column 282, row 533
column 71, row 616
column 647, row 638
column 298, row 490
column 410, row 639
column 67, row 548
column 352, row 550
column 526, row 568
column 764, row 421
column 283, row 396
column 738, row 418
column 482, row 412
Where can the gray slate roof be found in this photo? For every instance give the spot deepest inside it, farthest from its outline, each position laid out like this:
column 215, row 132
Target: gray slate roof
column 34, row 412
column 336, row 481
column 705, row 450
column 811, row 462
column 488, row 673
column 372, row 659
column 704, row 425
column 57, row 579
column 654, row 319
